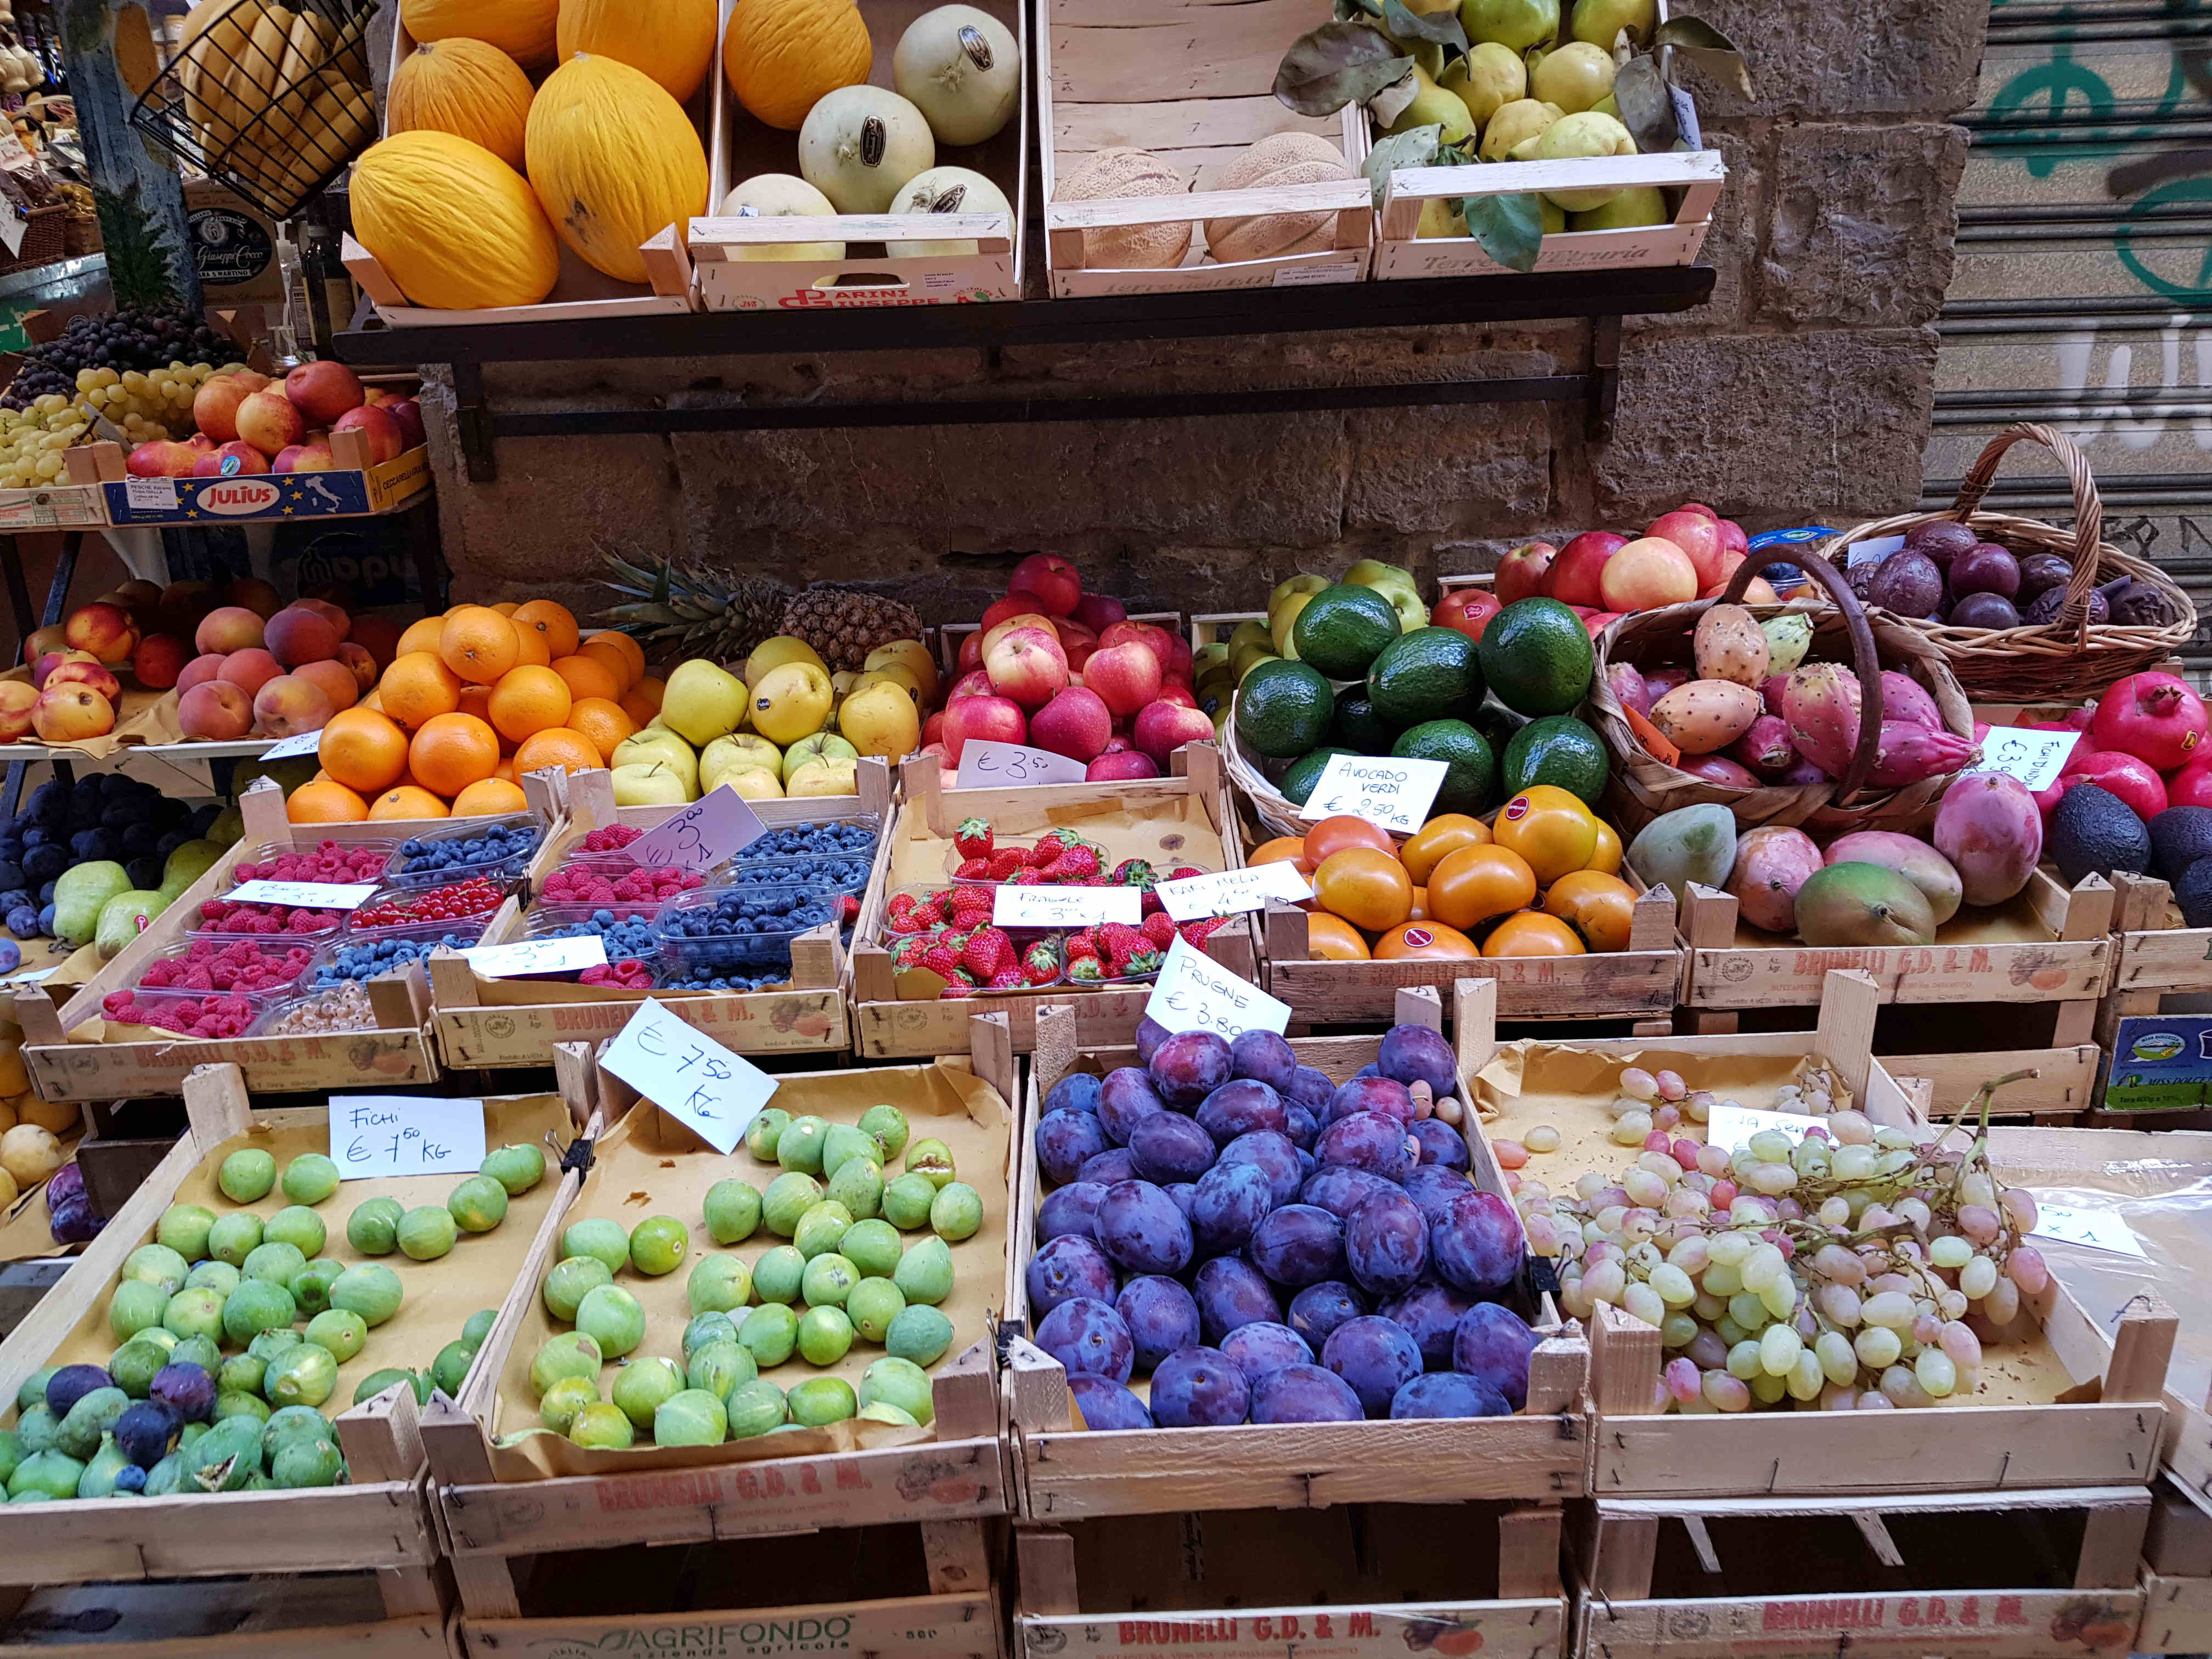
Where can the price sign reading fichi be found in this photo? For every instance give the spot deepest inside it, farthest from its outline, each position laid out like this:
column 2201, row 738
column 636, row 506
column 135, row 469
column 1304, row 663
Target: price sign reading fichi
column 1195, row 992
column 305, row 895
column 2036, row 758
column 538, row 956
column 983, row 764
column 1232, row 892
column 1731, row 1126
column 375, row 1136
column 689, row 1076
column 718, row 824
column 1389, row 793
column 1046, row 905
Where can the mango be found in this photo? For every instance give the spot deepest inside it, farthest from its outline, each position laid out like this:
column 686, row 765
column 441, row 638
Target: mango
column 1917, row 861
column 1862, row 905
column 1690, row 844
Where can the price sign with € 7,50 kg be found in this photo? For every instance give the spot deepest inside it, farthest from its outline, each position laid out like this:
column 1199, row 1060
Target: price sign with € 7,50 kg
column 689, row 1075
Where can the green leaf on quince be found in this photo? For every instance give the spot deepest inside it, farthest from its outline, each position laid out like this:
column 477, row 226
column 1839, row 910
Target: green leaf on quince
column 1509, row 229
column 1416, row 147
column 1709, row 49
column 1340, row 63
column 1440, row 28
column 1647, row 107
column 1395, row 99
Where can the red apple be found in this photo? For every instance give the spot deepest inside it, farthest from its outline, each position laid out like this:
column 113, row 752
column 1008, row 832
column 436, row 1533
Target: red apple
column 973, row 684
column 158, row 458
column 323, row 390
column 1594, row 622
column 932, row 730
column 1120, row 766
column 1647, row 573
column 1180, row 659
column 1163, row 727
column 1126, row 677
column 1176, row 692
column 1467, row 610
column 994, row 632
column 17, row 699
column 214, row 406
column 92, row 674
column 971, row 653
column 1575, row 572
column 982, row 719
column 104, row 630
column 1525, row 573
column 1027, row 666
column 71, row 714
column 409, row 414
column 1052, row 578
column 1697, row 534
column 1155, row 638
column 1019, row 603
column 375, row 425
column 1075, row 723
column 1733, row 540
column 1097, row 613
column 1077, row 640
column 232, row 460
column 1699, row 506
column 199, row 670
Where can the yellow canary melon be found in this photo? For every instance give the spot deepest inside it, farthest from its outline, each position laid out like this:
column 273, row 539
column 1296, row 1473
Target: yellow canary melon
column 453, row 225
column 1110, row 174
column 470, row 89
column 526, row 30
column 783, row 57
column 671, row 40
column 614, row 160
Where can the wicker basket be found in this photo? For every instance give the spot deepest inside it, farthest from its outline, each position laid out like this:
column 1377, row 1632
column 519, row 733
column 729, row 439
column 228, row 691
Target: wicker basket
column 2069, row 660
column 1276, row 812
column 1643, row 787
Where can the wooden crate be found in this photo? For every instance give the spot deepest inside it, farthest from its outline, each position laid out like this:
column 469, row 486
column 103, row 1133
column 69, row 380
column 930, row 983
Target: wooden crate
column 490, row 1023
column 2177, row 1577
column 53, row 507
column 921, row 837
column 2019, row 1576
column 951, row 1481
column 1192, row 84
column 267, row 1616
column 1068, row 1472
column 742, row 147
column 397, row 1054
column 2110, row 1440
column 1363, row 1581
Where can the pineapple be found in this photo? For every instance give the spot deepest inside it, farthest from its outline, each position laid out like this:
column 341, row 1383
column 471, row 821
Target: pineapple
column 846, row 623
column 719, row 619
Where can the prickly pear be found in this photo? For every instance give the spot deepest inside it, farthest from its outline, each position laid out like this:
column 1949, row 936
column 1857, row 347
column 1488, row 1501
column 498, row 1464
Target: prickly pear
column 1904, row 698
column 1766, row 747
column 1771, row 864
column 1988, row 826
column 1787, row 639
column 1628, row 688
column 1910, row 753
column 1820, row 704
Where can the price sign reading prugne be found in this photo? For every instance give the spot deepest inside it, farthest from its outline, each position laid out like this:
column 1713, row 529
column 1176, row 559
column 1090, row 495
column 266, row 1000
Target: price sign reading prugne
column 1196, row 994
column 379, row 1136
column 1388, row 793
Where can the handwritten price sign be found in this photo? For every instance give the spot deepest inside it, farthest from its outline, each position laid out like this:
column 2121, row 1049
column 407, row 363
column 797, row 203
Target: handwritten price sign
column 718, row 824
column 692, row 1078
column 2099, row 1230
column 985, row 763
column 538, row 956
column 2036, row 758
column 378, row 1136
column 306, row 743
column 1232, row 892
column 1195, row 992
column 1389, row 793
column 1046, row 905
column 1731, row 1126
column 305, row 895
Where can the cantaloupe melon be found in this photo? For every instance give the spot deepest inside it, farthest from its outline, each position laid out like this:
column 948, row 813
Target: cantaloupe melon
column 1278, row 149
column 781, row 196
column 783, row 57
column 614, row 160
column 961, row 67
column 946, row 190
column 861, row 144
column 671, row 40
column 1109, row 175
column 467, row 88
column 453, row 225
column 1278, row 162
column 526, row 30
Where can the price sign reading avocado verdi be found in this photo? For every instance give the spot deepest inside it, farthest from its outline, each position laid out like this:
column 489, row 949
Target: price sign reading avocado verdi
column 1388, row 793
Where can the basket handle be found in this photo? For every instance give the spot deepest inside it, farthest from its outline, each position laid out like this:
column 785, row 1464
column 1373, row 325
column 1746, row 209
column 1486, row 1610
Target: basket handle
column 1866, row 660
column 2088, row 509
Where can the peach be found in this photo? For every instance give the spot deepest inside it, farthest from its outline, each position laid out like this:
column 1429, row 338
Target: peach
column 1163, row 727
column 296, row 635
column 158, row 458
column 78, row 673
column 182, row 606
column 1699, row 535
column 199, row 670
column 269, row 420
column 104, row 630
column 375, row 425
column 1574, row 574
column 17, row 699
column 232, row 460
column 333, row 613
column 250, row 670
column 1027, row 666
column 255, row 595
column 1126, row 677
column 335, row 680
column 214, row 406
column 982, row 719
column 49, row 661
column 233, row 627
column 1052, row 578
column 291, row 704
column 1647, row 573
column 309, row 456
column 71, row 714
column 215, row 711
column 52, row 637
column 379, row 636
column 363, row 665
column 322, row 391
column 408, row 412
column 994, row 632
column 1075, row 723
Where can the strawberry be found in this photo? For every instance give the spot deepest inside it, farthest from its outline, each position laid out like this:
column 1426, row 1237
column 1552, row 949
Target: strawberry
column 848, row 909
column 969, row 898
column 908, row 954
column 1042, row 965
column 905, row 922
column 1008, row 978
column 901, row 903
column 1006, row 861
column 1141, row 962
column 1149, row 903
column 1082, row 942
column 1158, row 929
column 1185, row 871
column 1026, row 879
column 988, row 952
column 942, row 960
column 1048, row 847
column 1120, row 943
column 973, row 838
column 929, row 914
column 1134, row 872
column 957, row 989
column 1197, row 933
column 975, row 869
column 1086, row 970
column 1073, row 867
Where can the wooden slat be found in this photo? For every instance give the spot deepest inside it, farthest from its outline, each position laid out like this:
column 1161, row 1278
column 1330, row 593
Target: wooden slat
column 1991, row 1624
column 1355, row 1630
column 914, row 1627
column 2177, row 1615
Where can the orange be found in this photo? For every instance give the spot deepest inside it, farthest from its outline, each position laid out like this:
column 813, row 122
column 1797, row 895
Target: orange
column 1334, row 835
column 602, row 722
column 571, row 750
column 1607, row 859
column 1595, row 905
column 453, row 751
column 1549, row 828
column 601, row 648
column 476, row 700
column 527, row 700
column 416, row 686
column 1447, row 832
column 505, row 772
column 364, row 751
column 1425, row 940
column 534, row 653
column 588, row 677
column 373, row 702
column 551, row 623
column 407, row 801
column 506, row 607
column 325, row 802
column 633, row 653
column 487, row 797
column 1332, row 938
column 1368, row 887
column 1532, row 933
column 478, row 644
column 1477, row 883
column 1284, row 849
column 420, row 636
column 649, row 690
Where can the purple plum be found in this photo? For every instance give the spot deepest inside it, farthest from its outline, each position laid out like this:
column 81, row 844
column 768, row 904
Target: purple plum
column 1477, row 1245
column 1161, row 1318
column 1240, row 1107
column 1375, row 1357
column 1310, row 1086
column 1374, row 1141
column 1276, row 1157
column 1492, row 1343
column 1150, row 1034
column 1168, row 1146
column 1301, row 1123
column 1433, row 1187
column 1305, row 1394
column 1111, row 1165
column 144, row 1431
column 1447, row 1394
column 1265, row 1346
column 1200, row 1388
column 186, row 1389
column 1185, row 1193
column 1189, row 1066
column 1320, row 1309
column 1065, row 1140
column 1231, row 1294
column 1414, row 1054
column 1298, row 1244
column 1070, row 1209
column 1144, row 1230
column 1341, row 1191
column 72, row 1383
column 1085, row 1334
column 1265, row 1056
column 1106, row 1404
column 1064, row 1268
column 1075, row 1092
column 1369, row 1094
column 1386, row 1244
column 1232, row 1199
column 1430, row 1315
column 1125, row 1096
column 1440, row 1143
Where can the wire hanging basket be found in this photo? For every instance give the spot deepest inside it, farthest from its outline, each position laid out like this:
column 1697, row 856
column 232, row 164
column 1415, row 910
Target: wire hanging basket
column 270, row 100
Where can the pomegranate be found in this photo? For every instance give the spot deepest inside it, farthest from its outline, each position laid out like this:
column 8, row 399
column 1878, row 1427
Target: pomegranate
column 2153, row 717
column 2191, row 786
column 2127, row 776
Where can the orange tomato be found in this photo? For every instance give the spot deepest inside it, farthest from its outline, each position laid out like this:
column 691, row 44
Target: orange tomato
column 1425, row 941
column 1605, row 860
column 1595, row 905
column 1549, row 828
column 1420, row 912
column 1284, row 849
column 1444, row 834
column 1369, row 889
column 1332, row 938
column 1334, row 835
column 1477, row 883
column 1532, row 933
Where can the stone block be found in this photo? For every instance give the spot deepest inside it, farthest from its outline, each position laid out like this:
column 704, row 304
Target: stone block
column 1452, row 469
column 1809, row 59
column 1861, row 225
column 1732, row 244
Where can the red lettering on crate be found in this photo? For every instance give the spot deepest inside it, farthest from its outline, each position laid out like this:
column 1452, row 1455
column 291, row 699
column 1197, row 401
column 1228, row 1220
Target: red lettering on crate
column 1153, row 1632
column 2009, row 1611
column 1856, row 1613
column 1359, row 1624
column 664, row 1491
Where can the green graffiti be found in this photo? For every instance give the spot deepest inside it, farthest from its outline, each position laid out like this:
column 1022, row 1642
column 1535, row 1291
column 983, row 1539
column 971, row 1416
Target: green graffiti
column 2051, row 88
column 2180, row 192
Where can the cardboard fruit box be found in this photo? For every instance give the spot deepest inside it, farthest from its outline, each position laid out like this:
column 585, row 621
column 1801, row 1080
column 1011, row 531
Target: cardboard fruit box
column 359, row 488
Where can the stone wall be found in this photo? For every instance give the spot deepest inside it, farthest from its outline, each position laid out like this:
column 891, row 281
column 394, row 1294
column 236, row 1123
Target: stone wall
column 1801, row 394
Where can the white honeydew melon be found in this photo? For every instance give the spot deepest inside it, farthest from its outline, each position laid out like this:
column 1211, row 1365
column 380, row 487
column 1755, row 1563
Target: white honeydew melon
column 946, row 190
column 778, row 195
column 860, row 144
column 961, row 69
